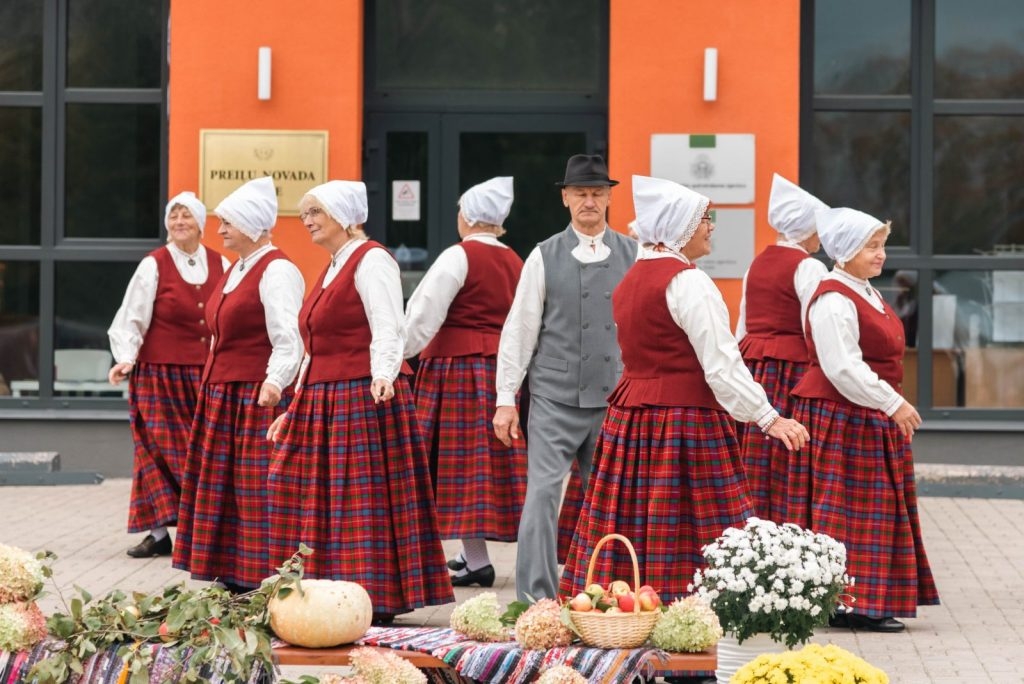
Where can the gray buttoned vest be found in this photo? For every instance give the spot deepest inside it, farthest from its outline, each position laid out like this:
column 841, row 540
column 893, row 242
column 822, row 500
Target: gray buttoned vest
column 578, row 361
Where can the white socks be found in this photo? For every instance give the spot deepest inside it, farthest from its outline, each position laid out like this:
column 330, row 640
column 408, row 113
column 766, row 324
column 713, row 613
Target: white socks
column 158, row 533
column 474, row 552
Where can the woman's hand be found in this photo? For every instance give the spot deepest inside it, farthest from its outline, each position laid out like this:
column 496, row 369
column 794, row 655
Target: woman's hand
column 908, row 419
column 381, row 390
column 506, row 424
column 270, row 395
column 274, row 431
column 793, row 434
column 119, row 372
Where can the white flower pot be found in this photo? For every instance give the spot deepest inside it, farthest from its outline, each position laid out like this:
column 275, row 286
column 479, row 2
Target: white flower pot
column 733, row 655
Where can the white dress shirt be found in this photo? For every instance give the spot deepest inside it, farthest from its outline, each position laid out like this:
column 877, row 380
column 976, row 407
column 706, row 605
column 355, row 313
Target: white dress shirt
column 836, row 333
column 281, row 291
column 697, row 307
column 428, row 306
column 521, row 331
column 805, row 281
column 132, row 320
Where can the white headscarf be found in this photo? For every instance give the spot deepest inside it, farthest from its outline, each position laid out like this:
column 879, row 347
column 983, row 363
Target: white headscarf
column 188, row 200
column 345, row 201
column 791, row 210
column 251, row 208
column 844, row 232
column 666, row 213
column 488, row 202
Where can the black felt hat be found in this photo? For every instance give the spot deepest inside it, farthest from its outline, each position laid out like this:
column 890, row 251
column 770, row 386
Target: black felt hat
column 586, row 170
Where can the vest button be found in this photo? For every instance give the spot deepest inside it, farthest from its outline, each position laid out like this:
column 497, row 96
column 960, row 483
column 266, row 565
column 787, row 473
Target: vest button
column 203, row 340
column 202, row 321
column 199, row 287
column 585, row 326
column 201, row 305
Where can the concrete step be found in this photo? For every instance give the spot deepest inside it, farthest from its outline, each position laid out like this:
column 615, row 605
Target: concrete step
column 976, row 481
column 34, row 461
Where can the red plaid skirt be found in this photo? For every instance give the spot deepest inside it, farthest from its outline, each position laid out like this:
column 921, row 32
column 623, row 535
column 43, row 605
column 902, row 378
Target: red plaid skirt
column 222, row 520
column 161, row 405
column 569, row 514
column 856, row 484
column 669, row 479
column 479, row 483
column 350, row 479
column 765, row 459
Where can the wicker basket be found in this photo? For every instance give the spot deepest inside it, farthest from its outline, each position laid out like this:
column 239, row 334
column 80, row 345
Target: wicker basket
column 615, row 630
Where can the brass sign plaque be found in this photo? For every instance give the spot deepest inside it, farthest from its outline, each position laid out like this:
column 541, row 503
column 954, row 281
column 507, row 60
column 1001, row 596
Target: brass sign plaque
column 296, row 160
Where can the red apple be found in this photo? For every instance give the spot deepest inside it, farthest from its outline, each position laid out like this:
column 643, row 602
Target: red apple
column 649, row 600
column 618, row 588
column 627, row 602
column 581, row 603
column 165, row 632
column 646, row 587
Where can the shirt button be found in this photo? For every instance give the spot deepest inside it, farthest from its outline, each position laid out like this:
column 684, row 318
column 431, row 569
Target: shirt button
column 605, row 388
column 586, row 357
column 607, row 295
column 585, row 326
column 607, row 358
column 608, row 326
column 583, row 388
column 585, row 295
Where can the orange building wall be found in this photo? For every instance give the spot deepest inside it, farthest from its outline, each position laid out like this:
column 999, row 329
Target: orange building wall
column 316, row 83
column 656, row 86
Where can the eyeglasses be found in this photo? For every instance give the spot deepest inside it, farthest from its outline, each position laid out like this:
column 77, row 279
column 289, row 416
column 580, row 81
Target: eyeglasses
column 312, row 212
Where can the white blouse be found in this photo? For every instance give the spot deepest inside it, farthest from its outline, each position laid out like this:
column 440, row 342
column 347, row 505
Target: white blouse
column 805, row 281
column 132, row 320
column 836, row 333
column 428, row 306
column 281, row 291
column 521, row 331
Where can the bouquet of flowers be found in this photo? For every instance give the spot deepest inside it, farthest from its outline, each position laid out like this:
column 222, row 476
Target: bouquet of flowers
column 687, row 625
column 776, row 579
column 479, row 618
column 813, row 663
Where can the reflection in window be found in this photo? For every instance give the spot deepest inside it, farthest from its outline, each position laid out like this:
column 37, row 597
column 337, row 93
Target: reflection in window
column 114, row 44
column 21, row 45
column 123, row 201
column 861, row 48
column 979, row 49
column 979, row 204
column 862, row 160
column 20, row 174
column 82, row 317
column 407, row 161
column 19, row 323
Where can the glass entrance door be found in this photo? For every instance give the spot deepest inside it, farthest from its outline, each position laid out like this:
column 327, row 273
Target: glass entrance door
column 447, row 153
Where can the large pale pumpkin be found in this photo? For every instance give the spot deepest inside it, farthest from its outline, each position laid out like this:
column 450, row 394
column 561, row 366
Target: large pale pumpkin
column 327, row 613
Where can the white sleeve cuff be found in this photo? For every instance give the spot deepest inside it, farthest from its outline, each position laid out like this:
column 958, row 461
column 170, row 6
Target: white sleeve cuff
column 506, row 399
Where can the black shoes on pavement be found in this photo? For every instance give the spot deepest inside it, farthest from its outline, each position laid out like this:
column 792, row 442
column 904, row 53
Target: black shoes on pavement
column 149, row 547
column 483, row 576
column 885, row 625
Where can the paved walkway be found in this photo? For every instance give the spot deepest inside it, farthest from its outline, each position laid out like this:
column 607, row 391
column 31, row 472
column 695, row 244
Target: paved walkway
column 976, row 547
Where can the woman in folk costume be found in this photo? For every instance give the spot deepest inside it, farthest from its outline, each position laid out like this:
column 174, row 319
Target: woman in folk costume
column 857, row 482
column 776, row 289
column 453, row 321
column 667, row 471
column 160, row 340
column 349, row 475
column 255, row 354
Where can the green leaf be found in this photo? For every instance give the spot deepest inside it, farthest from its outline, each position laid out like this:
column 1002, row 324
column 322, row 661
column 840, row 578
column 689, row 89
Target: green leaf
column 567, row 621
column 512, row 613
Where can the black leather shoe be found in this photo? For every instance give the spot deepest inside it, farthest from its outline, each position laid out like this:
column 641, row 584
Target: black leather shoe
column 883, row 624
column 483, row 576
column 840, row 620
column 149, row 547
column 382, row 619
column 457, row 563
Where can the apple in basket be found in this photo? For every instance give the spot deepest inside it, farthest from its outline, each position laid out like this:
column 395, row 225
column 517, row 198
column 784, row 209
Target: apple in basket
column 595, row 591
column 606, row 602
column 618, row 588
column 648, row 598
column 582, row 603
column 627, row 602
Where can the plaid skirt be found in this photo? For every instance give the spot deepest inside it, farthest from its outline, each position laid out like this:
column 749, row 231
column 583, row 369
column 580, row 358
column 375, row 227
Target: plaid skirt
column 350, row 479
column 161, row 405
column 479, row 483
column 222, row 520
column 856, row 484
column 668, row 478
column 569, row 514
column 765, row 459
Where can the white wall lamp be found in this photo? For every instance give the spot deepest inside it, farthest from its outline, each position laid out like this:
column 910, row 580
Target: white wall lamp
column 263, row 74
column 710, row 74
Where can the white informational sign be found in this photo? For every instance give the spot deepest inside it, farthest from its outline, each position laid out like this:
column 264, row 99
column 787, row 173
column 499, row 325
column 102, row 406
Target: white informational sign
column 720, row 166
column 732, row 244
column 405, row 200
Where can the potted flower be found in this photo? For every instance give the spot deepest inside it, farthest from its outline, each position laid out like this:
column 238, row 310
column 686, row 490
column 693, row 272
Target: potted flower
column 813, row 663
column 770, row 585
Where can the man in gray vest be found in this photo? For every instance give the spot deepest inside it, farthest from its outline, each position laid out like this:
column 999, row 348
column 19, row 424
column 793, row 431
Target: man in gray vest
column 560, row 328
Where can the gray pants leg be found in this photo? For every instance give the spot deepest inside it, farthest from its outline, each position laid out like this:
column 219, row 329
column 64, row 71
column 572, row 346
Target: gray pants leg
column 557, row 434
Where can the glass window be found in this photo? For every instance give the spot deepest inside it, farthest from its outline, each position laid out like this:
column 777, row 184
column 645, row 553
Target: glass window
column 21, row 45
column 82, row 317
column 862, row 160
column 979, row 49
column 978, row 196
column 531, row 45
column 114, row 44
column 407, row 161
column 861, row 48
column 19, row 326
column 123, row 201
column 20, row 174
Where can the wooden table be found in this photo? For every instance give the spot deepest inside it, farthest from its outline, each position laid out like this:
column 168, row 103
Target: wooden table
column 705, row 661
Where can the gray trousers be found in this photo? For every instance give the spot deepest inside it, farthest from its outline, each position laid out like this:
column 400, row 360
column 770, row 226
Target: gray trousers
column 557, row 434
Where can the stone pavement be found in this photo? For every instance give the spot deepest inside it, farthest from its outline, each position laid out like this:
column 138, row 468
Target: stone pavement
column 976, row 547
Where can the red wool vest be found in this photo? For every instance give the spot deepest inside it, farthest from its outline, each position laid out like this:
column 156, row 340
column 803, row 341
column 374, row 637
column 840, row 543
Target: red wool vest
column 241, row 346
column 661, row 366
column 334, row 326
column 774, row 328
column 881, row 344
column 178, row 334
column 476, row 315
